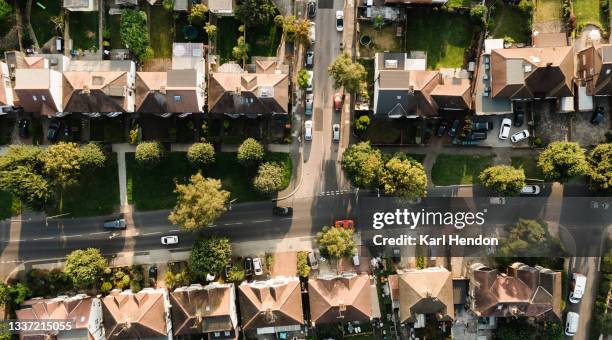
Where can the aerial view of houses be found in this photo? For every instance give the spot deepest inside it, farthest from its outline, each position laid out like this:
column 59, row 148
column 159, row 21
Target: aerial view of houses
column 306, row 169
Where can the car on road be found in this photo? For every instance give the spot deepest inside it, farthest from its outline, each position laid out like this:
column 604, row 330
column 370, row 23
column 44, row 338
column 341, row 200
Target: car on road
column 308, row 130
column 24, row 128
column 309, row 60
column 599, row 205
column 308, row 104
column 396, row 256
column 442, row 128
column 571, row 325
column 117, row 223
column 577, row 287
column 282, row 211
column 312, row 261
column 336, row 132
column 54, row 131
column 497, row 200
column 153, row 272
column 312, row 9
column 482, row 126
column 257, row 266
column 598, row 116
column 504, row 128
column 337, row 102
column 454, row 128
column 340, row 21
column 169, row 240
column 312, row 33
column 346, row 224
column 519, row 136
column 519, row 116
column 530, row 189
column 309, row 87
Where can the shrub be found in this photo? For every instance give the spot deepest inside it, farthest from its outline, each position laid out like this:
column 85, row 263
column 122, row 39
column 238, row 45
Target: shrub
column 106, row 287
column 236, row 273
column 302, row 264
column 201, row 154
column 362, row 123
column 168, row 5
column 269, row 178
column 135, row 286
column 420, row 262
column 250, row 152
column 133, row 139
column 149, row 153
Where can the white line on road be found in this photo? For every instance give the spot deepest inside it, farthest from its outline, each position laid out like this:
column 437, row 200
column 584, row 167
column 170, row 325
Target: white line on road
column 79, row 235
column 153, row 233
column 43, row 238
column 100, row 233
column 235, row 223
column 261, row 221
column 286, row 218
column 174, row 231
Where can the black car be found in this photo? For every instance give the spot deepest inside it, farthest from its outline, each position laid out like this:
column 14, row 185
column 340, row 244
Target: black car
column 519, row 117
column 477, row 135
column 312, row 9
column 228, row 267
column 598, row 116
column 442, row 128
column 54, row 131
column 396, row 256
column 282, row 211
column 24, row 128
column 248, row 266
column 153, row 272
column 482, row 126
column 454, row 128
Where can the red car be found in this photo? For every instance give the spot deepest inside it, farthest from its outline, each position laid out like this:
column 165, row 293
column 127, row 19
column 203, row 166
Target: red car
column 347, row 224
column 337, row 102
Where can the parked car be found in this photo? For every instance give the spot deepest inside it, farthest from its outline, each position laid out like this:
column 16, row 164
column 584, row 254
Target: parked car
column 309, row 88
column 337, row 102
column 530, row 189
column 599, row 205
column 396, row 256
column 54, row 131
column 24, row 128
column 519, row 116
column 309, row 60
column 312, row 261
column 153, row 272
column 467, row 142
column 346, row 224
column 228, row 267
column 504, row 128
column 118, row 223
column 336, row 132
column 598, row 116
column 482, row 126
column 454, row 128
column 257, row 266
column 339, row 21
column 497, row 200
column 442, row 128
column 6, row 109
column 312, row 9
column 309, row 103
column 312, row 33
column 248, row 266
column 356, row 260
column 577, row 287
column 477, row 135
column 308, row 130
column 282, row 211
column 571, row 325
column 169, row 240
column 519, row 136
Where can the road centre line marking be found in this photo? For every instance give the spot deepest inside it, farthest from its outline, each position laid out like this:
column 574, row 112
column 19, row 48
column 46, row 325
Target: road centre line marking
column 174, row 230
column 100, row 233
column 235, row 223
column 79, row 235
column 261, row 221
column 43, row 238
column 153, row 233
column 286, row 218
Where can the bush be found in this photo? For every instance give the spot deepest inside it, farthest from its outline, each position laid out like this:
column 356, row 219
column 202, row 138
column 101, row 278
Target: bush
column 201, row 154
column 168, row 5
column 420, row 262
column 362, row 123
column 106, row 287
column 303, row 268
column 135, row 286
column 133, row 139
column 149, row 153
column 269, row 178
column 236, row 273
column 250, row 152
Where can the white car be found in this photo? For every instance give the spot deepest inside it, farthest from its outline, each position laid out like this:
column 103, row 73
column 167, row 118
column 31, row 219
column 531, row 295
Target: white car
column 599, row 205
column 168, row 240
column 578, row 286
column 504, row 128
column 340, row 21
column 312, row 32
column 257, row 266
column 310, row 78
column 336, row 132
column 519, row 136
column 530, row 189
column 308, row 130
column 497, row 200
column 571, row 325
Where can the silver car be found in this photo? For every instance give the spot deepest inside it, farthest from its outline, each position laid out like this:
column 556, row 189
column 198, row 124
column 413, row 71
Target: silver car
column 504, row 128
column 519, row 136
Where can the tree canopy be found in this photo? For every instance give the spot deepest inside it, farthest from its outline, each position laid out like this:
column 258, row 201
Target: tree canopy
column 84, row 267
column 600, row 164
column 62, row 162
column 362, row 164
column 241, row 50
column 255, row 12
column 269, row 178
column 302, row 78
column 134, row 32
column 21, row 170
column 209, row 256
column 201, row 154
column 250, row 152
column 503, row 179
column 404, row 177
column 336, row 242
column 149, row 153
column 346, row 73
column 199, row 203
column 529, row 238
column 5, row 9
column 197, row 15
column 92, row 156
column 561, row 161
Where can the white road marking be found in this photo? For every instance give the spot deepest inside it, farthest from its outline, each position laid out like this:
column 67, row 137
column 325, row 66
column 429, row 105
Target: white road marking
column 79, row 235
column 261, row 221
column 100, row 233
column 43, row 238
column 174, row 231
column 153, row 233
column 235, row 223
column 286, row 218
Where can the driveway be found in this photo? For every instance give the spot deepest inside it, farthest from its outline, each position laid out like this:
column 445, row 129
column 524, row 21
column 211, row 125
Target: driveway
column 587, row 134
column 492, row 136
column 550, row 125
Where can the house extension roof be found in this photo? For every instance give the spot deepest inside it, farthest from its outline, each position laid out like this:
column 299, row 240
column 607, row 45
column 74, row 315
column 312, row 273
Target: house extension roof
column 453, row 94
column 127, row 315
column 273, row 303
column 172, row 91
column 402, row 93
column 340, row 298
column 599, row 64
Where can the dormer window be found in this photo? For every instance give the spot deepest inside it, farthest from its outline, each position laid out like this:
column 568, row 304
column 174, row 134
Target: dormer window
column 34, row 98
column 177, row 99
column 43, row 98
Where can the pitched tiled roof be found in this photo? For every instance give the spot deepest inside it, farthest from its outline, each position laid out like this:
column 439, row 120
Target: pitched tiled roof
column 273, row 303
column 248, row 93
column 197, row 310
column 406, row 92
column 427, row 291
column 36, row 83
column 340, row 299
column 95, row 91
column 595, row 67
column 127, row 315
column 453, row 94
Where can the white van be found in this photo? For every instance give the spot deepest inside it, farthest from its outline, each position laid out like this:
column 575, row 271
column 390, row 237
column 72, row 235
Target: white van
column 571, row 325
column 577, row 287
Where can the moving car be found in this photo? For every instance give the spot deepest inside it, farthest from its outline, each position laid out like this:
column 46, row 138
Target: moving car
column 519, row 117
column 24, row 128
column 309, row 60
column 599, row 205
column 312, row 32
column 282, row 211
column 228, row 267
column 310, row 78
column 442, row 128
column 519, row 136
column 497, row 200
column 308, row 130
column 530, row 189
column 598, row 116
column 482, row 126
column 248, row 266
column 309, row 104
column 454, row 128
column 312, row 261
column 571, row 325
column 53, row 132
column 312, row 9
column 504, row 128
column 340, row 21
column 168, row 240
column 336, row 132
column 577, row 287
column 118, row 223
column 346, row 224
column 337, row 102
column 257, row 266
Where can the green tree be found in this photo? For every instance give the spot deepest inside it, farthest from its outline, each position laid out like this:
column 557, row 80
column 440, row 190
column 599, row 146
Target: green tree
column 303, row 268
column 92, row 156
column 605, row 323
column 301, row 32
column 347, row 73
column 404, row 177
column 62, row 163
column 363, row 164
column 211, row 31
column 201, row 154
column 269, row 178
column 84, row 267
column 5, row 294
column 302, row 78
column 30, row 188
column 503, row 179
column 5, row 10
column 168, row 5
column 529, row 238
column 149, row 153
column 250, row 152
column 241, row 50
column 526, row 6
column 106, row 287
column 236, row 273
column 362, row 123
column 134, row 31
column 209, row 256
column 477, row 13
column 378, row 22
column 199, row 203
column 19, row 293
column 255, row 12
column 336, row 242
column 197, row 16
column 562, row 160
column 600, row 167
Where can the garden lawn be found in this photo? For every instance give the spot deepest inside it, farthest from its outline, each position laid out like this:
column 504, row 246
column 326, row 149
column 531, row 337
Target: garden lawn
column 459, row 169
column 84, row 30
column 227, row 35
column 587, row 12
column 112, row 25
column 547, row 10
column 161, row 31
column 529, row 165
column 383, row 39
column 96, row 194
column 263, row 40
column 41, row 19
column 444, row 36
column 510, row 22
